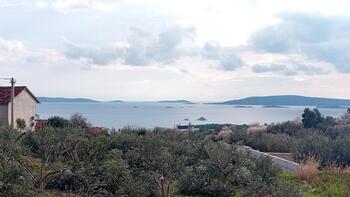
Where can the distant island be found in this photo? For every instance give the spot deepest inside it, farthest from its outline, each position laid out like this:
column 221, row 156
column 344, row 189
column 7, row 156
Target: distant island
column 65, row 100
column 274, row 106
column 243, row 106
column 288, row 100
column 117, row 101
column 332, row 106
column 176, row 101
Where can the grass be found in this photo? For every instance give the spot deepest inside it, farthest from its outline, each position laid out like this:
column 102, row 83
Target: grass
column 328, row 184
column 332, row 181
column 308, row 169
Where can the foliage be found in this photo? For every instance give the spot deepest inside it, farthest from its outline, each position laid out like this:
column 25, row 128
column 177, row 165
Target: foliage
column 21, row 124
column 308, row 169
column 14, row 177
column 291, row 128
column 78, row 120
column 330, row 184
column 268, row 142
column 58, row 122
column 131, row 162
column 311, row 118
column 326, row 138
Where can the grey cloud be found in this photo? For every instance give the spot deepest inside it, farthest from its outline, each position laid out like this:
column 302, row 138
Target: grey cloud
column 262, row 68
column 211, row 50
column 165, row 48
column 141, row 49
column 231, row 61
column 288, row 69
column 228, row 58
column 99, row 56
column 323, row 38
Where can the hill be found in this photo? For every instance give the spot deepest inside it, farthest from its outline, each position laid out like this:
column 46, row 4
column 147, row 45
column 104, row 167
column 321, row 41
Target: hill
column 288, row 100
column 176, row 101
column 65, row 100
column 117, row 101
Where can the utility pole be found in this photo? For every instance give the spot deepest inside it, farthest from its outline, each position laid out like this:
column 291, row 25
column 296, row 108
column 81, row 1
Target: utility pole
column 12, row 82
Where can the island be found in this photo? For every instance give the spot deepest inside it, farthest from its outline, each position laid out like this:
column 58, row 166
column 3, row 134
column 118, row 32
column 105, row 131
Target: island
column 65, row 100
column 288, row 100
column 176, row 101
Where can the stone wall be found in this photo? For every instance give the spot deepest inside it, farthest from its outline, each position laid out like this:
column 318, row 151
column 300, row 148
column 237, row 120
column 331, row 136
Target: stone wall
column 281, row 163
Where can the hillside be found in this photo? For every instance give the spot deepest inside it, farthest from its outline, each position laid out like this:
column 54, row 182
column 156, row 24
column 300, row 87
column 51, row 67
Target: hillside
column 289, row 100
column 176, row 101
column 66, row 100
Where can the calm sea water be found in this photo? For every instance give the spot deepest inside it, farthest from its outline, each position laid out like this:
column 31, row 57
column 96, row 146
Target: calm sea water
column 152, row 114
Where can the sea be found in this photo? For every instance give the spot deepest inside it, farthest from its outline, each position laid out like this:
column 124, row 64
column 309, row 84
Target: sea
column 155, row 114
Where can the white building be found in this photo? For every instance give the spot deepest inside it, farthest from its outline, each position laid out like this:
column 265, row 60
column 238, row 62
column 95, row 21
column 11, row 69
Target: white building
column 24, row 106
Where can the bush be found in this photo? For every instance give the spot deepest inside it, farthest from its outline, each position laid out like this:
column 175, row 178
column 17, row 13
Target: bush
column 21, row 123
column 268, row 142
column 308, row 168
column 14, row 178
column 78, row 120
column 58, row 122
column 291, row 128
column 215, row 174
column 266, row 181
column 326, row 150
column 69, row 182
column 313, row 145
column 132, row 162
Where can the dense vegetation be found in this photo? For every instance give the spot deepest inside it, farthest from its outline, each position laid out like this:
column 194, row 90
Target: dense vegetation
column 326, row 138
column 68, row 157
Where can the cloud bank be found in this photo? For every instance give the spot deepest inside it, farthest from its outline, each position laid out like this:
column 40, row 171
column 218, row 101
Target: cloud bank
column 143, row 49
column 315, row 36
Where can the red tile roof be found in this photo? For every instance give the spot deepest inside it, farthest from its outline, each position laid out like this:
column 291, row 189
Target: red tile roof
column 5, row 93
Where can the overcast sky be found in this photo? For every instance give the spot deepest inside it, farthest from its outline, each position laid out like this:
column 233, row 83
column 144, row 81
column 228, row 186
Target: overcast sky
column 201, row 50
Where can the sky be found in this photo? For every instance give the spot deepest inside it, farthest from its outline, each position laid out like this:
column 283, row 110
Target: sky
column 199, row 50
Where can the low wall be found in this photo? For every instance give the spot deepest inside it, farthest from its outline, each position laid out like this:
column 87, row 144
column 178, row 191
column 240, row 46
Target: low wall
column 281, row 163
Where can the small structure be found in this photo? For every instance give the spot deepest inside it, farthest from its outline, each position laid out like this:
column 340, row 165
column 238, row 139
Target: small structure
column 24, row 106
column 186, row 128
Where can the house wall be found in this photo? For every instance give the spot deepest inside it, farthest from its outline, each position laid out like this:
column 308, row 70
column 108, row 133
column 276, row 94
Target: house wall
column 3, row 114
column 24, row 108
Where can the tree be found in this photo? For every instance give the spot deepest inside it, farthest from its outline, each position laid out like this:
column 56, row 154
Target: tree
column 216, row 173
column 78, row 120
column 15, row 179
column 58, row 122
column 47, row 146
column 311, row 118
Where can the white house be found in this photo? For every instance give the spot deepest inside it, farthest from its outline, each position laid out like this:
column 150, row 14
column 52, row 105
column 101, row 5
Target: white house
column 24, row 106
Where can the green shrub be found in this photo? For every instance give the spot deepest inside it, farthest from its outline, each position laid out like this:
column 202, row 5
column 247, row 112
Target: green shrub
column 291, row 128
column 268, row 142
column 58, row 122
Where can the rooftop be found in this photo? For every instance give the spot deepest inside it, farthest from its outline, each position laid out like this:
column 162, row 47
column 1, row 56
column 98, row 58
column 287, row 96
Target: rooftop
column 5, row 93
